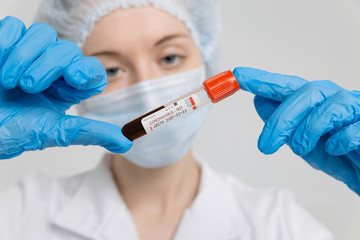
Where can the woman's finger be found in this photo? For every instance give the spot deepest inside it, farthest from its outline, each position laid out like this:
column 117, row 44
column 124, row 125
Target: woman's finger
column 342, row 169
column 72, row 130
column 49, row 66
column 269, row 85
column 11, row 31
column 344, row 141
column 286, row 118
column 265, row 107
column 87, row 74
column 34, row 42
column 338, row 111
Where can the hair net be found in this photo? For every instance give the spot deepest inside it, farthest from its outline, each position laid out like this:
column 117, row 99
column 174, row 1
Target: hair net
column 74, row 20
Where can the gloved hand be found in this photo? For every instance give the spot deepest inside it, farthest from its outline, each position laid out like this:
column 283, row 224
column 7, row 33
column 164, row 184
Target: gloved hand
column 40, row 78
column 319, row 120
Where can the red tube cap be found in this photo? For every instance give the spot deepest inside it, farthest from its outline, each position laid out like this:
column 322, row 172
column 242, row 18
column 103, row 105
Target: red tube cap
column 221, row 86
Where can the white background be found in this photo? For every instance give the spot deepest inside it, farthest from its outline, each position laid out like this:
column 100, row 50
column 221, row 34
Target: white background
column 315, row 39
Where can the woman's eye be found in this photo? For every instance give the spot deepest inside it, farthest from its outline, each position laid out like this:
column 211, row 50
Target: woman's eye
column 112, row 72
column 171, row 60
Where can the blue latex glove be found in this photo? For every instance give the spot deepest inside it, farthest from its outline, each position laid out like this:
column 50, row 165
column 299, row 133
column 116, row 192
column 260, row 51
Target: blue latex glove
column 40, row 78
column 319, row 120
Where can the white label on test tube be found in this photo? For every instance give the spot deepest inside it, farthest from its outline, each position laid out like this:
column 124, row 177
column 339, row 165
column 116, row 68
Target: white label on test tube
column 172, row 111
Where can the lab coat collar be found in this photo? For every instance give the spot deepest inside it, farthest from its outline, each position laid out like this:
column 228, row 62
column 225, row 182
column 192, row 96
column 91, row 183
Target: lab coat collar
column 216, row 212
column 97, row 211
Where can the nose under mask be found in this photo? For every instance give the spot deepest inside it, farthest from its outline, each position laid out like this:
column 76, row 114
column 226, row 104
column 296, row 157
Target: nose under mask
column 168, row 144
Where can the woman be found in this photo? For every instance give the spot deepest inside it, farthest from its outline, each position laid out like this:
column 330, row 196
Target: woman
column 152, row 51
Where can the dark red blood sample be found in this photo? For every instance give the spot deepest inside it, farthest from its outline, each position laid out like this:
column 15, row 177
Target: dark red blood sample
column 135, row 129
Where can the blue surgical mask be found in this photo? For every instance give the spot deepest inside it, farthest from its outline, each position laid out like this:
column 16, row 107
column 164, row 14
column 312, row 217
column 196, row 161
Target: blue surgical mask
column 168, row 144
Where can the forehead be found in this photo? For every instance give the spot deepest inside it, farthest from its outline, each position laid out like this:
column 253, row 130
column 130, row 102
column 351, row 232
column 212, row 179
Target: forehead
column 140, row 25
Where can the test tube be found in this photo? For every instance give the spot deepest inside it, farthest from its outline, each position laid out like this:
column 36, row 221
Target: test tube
column 213, row 90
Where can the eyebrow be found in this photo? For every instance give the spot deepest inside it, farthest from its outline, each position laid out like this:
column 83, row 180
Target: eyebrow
column 170, row 37
column 161, row 41
column 106, row 52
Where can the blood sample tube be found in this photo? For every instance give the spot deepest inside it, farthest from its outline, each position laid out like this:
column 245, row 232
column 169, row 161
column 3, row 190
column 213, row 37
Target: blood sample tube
column 213, row 90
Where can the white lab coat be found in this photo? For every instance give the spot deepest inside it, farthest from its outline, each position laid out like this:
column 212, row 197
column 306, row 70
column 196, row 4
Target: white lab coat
column 88, row 206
